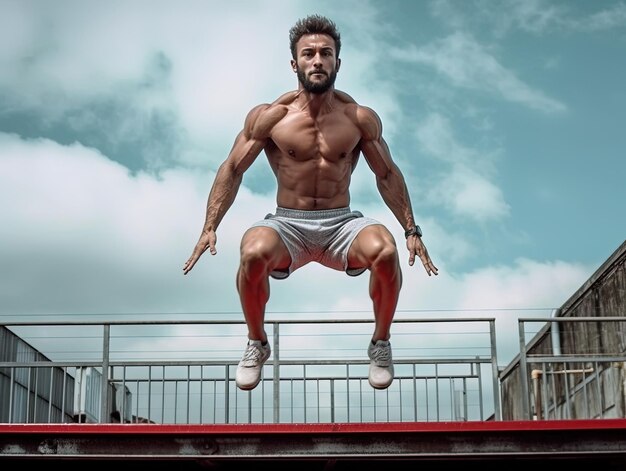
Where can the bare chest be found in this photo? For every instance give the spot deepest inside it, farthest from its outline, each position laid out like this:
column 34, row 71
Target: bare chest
column 331, row 137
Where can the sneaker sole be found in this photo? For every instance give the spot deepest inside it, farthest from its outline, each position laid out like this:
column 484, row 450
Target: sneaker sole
column 247, row 388
column 379, row 387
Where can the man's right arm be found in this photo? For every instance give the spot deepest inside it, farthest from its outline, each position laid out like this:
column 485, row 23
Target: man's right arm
column 247, row 146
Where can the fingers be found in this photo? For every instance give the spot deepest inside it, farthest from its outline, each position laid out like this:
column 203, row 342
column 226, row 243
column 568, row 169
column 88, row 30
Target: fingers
column 200, row 248
column 418, row 248
column 189, row 264
column 430, row 268
column 187, row 267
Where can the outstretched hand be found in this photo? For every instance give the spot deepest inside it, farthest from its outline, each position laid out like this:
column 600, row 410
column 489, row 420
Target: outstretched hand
column 416, row 247
column 207, row 240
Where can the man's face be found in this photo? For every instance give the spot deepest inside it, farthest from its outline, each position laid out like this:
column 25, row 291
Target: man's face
column 316, row 64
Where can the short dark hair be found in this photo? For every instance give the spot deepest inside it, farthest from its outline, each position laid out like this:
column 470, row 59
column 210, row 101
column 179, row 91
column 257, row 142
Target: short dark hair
column 313, row 24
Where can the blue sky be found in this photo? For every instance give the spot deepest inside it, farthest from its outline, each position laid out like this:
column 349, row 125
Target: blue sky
column 506, row 117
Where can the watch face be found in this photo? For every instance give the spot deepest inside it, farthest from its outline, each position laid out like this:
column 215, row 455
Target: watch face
column 416, row 230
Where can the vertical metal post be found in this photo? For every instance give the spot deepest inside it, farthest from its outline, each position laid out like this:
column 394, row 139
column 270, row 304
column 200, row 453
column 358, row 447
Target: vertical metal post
column 124, row 410
column 175, row 402
column 276, row 376
column 437, row 391
column 201, row 392
column 496, row 393
column 494, row 372
column 400, row 398
column 348, row 391
column 104, row 391
column 332, row 401
column 427, row 399
column 304, row 390
column 414, row 394
column 11, row 387
column 188, row 391
column 227, row 395
column 50, row 392
column 163, row 372
column 30, row 377
column 63, row 389
column 523, row 371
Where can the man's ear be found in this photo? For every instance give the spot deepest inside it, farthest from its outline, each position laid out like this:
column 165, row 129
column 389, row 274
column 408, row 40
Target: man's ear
column 338, row 65
column 294, row 65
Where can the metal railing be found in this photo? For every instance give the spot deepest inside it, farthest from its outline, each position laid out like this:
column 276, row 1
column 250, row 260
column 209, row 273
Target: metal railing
column 183, row 372
column 573, row 372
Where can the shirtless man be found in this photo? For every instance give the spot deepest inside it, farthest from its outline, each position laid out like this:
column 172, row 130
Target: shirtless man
column 313, row 138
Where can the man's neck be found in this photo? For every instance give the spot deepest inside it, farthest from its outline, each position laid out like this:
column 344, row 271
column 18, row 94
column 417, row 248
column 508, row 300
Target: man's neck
column 316, row 103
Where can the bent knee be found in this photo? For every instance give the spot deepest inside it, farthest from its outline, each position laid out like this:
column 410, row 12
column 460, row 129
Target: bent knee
column 376, row 247
column 261, row 249
column 386, row 255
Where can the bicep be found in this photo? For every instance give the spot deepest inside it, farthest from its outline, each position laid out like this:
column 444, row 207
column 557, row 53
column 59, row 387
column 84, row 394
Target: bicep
column 249, row 142
column 373, row 145
column 244, row 152
column 377, row 156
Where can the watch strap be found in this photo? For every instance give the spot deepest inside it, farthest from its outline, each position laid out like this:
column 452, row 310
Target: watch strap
column 415, row 230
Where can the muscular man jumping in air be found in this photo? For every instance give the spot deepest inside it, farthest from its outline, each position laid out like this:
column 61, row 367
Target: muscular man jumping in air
column 313, row 138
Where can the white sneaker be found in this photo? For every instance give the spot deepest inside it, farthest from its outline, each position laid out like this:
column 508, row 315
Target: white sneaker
column 381, row 365
column 249, row 369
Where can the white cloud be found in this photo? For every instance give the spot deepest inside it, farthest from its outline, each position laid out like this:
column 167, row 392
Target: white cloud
column 548, row 283
column 532, row 16
column 538, row 17
column 85, row 235
column 612, row 17
column 467, row 64
column 466, row 193
column 465, row 188
column 196, row 60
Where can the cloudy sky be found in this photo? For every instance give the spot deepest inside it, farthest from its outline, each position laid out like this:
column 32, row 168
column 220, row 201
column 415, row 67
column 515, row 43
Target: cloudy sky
column 506, row 118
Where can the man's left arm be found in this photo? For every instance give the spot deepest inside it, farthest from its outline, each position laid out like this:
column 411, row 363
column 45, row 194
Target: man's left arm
column 391, row 183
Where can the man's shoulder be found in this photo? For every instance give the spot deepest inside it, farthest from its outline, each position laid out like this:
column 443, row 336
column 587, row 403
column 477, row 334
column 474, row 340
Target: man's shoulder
column 344, row 97
column 363, row 115
column 361, row 111
column 278, row 104
column 366, row 119
column 263, row 117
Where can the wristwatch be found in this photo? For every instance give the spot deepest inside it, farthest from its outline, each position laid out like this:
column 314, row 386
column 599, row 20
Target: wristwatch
column 416, row 230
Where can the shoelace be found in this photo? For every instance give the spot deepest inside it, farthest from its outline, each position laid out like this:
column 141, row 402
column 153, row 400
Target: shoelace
column 381, row 356
column 252, row 356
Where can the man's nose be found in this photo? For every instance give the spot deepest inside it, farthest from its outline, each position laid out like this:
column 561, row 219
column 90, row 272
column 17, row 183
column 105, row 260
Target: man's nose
column 317, row 60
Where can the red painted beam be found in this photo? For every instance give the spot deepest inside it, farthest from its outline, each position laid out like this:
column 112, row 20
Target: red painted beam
column 322, row 428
